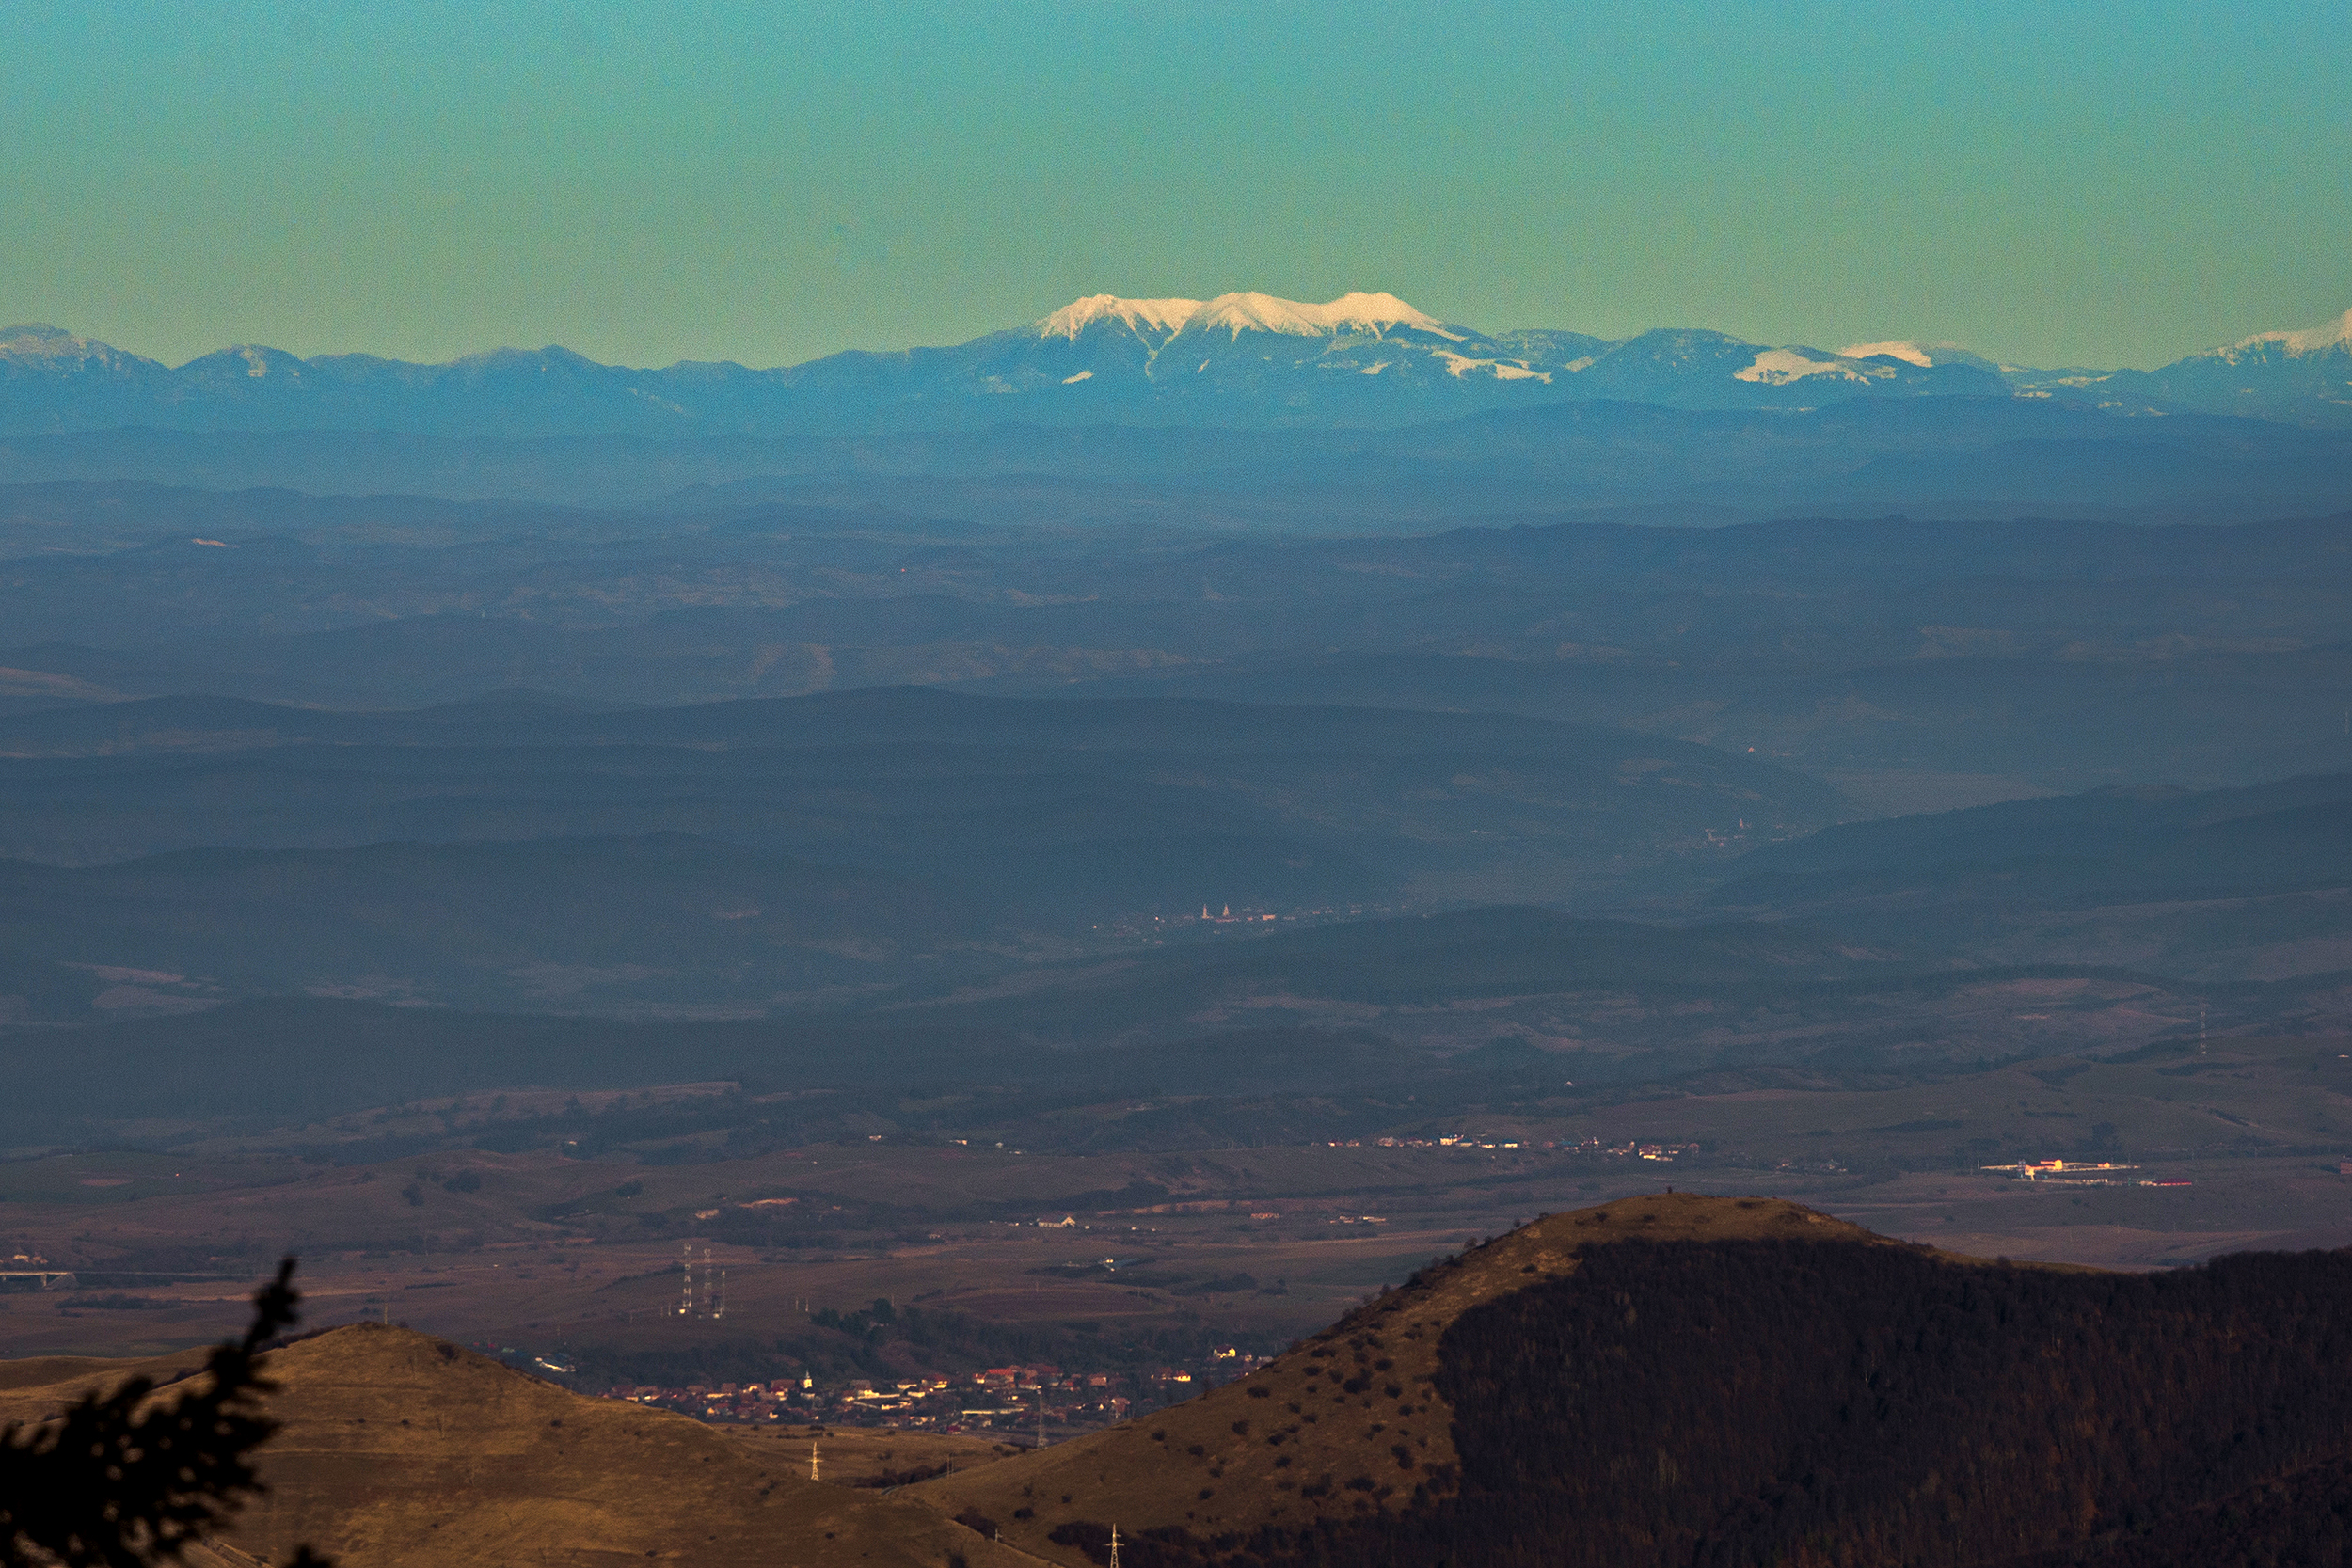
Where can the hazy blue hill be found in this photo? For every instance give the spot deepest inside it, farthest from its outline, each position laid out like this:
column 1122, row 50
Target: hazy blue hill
column 2189, row 652
column 260, row 1063
column 1862, row 455
column 888, row 749
column 2210, row 714
column 1942, row 454
column 2260, row 837
column 482, row 852
column 1214, row 1035
column 2207, row 884
column 301, row 1057
column 1427, row 961
column 1161, row 1019
column 1883, row 549
column 156, row 723
column 79, row 517
column 924, row 522
column 188, row 723
column 796, row 574
column 1165, row 727
column 1039, row 723
column 1541, row 346
column 547, row 922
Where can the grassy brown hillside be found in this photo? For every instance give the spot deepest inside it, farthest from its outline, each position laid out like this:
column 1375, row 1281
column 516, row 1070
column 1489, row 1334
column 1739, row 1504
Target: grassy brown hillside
column 37, row 1380
column 399, row 1449
column 866, row 1456
column 1348, row 1422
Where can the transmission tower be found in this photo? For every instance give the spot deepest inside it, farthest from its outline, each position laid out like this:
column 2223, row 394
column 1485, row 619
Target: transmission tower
column 686, row 1290
column 1114, row 1546
column 813, row 1462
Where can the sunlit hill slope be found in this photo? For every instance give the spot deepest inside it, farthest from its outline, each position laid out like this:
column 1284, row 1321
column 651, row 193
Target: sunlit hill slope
column 400, row 1449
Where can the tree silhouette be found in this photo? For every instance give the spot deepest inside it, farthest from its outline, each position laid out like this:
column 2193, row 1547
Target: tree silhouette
column 119, row 1481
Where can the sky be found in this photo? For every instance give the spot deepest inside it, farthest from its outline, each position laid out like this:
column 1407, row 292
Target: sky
column 2052, row 183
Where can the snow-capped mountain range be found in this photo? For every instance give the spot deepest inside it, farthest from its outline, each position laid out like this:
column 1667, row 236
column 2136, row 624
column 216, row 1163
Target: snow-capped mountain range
column 1246, row 360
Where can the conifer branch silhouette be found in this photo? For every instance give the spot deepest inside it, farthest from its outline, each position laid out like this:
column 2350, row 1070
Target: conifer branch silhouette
column 121, row 1481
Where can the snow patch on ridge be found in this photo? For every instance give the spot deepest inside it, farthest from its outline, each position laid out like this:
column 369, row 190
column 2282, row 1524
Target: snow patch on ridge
column 1778, row 367
column 1460, row 365
column 1909, row 353
column 1375, row 314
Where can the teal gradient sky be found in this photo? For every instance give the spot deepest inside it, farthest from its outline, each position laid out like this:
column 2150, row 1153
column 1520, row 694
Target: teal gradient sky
column 2052, row 183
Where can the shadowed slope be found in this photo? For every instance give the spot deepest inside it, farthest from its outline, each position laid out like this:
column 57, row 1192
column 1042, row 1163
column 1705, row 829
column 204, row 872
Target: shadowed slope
column 1739, row 1383
column 1282, row 1446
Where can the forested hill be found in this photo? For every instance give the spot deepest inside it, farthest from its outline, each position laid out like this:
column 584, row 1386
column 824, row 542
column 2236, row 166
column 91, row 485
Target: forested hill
column 1757, row 1402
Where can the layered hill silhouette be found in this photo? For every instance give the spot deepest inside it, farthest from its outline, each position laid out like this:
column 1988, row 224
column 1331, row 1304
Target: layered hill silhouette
column 2067, row 653
column 1062, row 1034
column 2153, row 843
column 1241, row 358
column 2003, row 455
column 1665, row 1379
column 2198, row 883
column 774, row 853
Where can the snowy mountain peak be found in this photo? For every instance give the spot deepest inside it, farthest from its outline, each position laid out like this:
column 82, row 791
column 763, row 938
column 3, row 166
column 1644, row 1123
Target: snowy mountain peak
column 30, row 333
column 2312, row 339
column 1362, row 312
column 35, row 342
column 1162, row 316
column 253, row 361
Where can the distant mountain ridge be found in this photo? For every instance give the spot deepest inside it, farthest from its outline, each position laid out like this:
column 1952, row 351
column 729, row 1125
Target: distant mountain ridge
column 1245, row 360
column 2303, row 376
